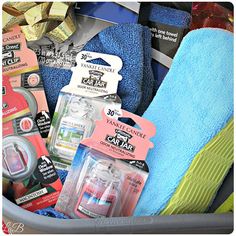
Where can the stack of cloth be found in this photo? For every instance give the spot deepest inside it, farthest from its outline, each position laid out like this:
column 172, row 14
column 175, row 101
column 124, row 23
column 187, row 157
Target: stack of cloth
column 193, row 113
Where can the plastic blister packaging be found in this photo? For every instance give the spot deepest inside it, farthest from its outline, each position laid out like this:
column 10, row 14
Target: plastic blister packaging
column 98, row 186
column 74, row 121
column 92, row 88
column 30, row 178
column 108, row 172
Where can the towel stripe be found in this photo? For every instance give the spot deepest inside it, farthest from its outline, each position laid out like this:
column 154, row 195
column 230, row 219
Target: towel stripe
column 205, row 175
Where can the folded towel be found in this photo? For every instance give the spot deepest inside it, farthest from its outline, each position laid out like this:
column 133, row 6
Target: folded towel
column 167, row 16
column 54, row 79
column 132, row 43
column 194, row 102
column 201, row 182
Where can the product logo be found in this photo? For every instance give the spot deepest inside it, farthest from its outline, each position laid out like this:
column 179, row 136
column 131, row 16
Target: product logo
column 8, row 54
column 12, row 228
column 121, row 139
column 94, row 79
column 26, row 124
column 33, row 80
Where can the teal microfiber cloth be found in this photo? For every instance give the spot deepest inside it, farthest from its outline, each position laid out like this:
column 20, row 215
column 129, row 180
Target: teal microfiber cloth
column 132, row 43
column 194, row 102
column 54, row 79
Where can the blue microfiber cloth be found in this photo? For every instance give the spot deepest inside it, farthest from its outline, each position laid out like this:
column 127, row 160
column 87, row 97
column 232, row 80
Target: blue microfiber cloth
column 194, row 102
column 148, row 77
column 51, row 212
column 132, row 43
column 167, row 16
column 54, row 79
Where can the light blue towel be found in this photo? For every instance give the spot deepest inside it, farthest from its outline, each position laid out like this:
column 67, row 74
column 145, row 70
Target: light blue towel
column 194, row 102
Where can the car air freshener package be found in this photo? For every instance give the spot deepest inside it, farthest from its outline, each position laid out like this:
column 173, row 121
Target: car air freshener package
column 91, row 89
column 30, row 179
column 20, row 63
column 109, row 171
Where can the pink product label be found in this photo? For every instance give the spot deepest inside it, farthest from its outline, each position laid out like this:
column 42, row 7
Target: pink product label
column 120, row 140
column 17, row 58
column 131, row 190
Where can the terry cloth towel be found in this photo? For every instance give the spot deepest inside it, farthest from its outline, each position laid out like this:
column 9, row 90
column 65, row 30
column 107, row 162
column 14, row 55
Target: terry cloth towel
column 205, row 175
column 167, row 16
column 54, row 79
column 132, row 43
column 194, row 102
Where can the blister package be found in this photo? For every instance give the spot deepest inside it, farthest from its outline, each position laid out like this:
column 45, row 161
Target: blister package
column 20, row 63
column 29, row 176
column 109, row 171
column 91, row 89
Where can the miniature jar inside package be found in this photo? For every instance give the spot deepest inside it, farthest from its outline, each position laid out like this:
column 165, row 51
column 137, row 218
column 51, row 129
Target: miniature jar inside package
column 30, row 178
column 109, row 171
column 20, row 63
column 91, row 89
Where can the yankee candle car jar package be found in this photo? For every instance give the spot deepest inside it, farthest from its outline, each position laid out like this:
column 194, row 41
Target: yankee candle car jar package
column 108, row 171
column 92, row 87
